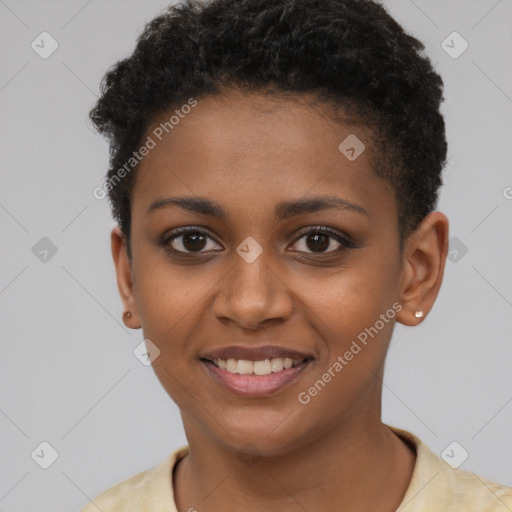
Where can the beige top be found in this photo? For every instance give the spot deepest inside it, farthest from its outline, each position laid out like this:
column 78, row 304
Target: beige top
column 435, row 487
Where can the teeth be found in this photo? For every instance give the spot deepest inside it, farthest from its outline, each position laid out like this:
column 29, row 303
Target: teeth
column 264, row 367
column 276, row 365
column 245, row 367
column 231, row 365
column 260, row 367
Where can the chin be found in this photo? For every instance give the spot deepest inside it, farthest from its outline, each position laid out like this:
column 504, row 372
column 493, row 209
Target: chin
column 263, row 438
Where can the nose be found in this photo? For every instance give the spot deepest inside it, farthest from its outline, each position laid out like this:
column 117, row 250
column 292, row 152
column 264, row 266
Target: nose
column 252, row 294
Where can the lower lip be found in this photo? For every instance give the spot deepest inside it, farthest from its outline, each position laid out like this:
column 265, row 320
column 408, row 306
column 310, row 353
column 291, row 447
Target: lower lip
column 256, row 385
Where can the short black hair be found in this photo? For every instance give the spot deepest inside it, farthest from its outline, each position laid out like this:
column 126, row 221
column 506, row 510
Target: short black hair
column 349, row 53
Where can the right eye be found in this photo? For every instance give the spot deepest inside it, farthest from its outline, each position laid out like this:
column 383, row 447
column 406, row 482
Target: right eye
column 189, row 240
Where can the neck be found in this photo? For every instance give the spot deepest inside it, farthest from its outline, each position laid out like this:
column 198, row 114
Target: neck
column 360, row 466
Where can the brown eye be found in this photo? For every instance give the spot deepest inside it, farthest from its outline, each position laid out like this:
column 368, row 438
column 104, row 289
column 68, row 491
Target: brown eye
column 193, row 241
column 190, row 240
column 322, row 240
column 317, row 242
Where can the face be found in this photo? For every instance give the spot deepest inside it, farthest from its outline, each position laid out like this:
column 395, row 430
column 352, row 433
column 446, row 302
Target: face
column 292, row 252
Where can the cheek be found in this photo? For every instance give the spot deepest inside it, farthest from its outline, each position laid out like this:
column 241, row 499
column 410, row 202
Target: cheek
column 352, row 298
column 167, row 294
column 348, row 372
column 356, row 309
column 171, row 305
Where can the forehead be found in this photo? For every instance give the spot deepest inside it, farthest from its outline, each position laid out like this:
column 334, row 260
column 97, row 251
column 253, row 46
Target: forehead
column 258, row 146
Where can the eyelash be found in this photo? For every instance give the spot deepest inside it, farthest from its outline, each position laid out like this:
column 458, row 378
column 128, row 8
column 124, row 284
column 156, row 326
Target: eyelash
column 345, row 242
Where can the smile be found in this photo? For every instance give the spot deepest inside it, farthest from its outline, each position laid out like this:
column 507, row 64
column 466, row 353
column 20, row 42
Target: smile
column 260, row 378
column 263, row 367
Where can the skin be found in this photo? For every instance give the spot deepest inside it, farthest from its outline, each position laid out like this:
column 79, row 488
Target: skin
column 250, row 152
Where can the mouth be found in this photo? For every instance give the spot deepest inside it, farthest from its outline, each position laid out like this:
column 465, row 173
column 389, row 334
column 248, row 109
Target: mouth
column 261, row 367
column 258, row 371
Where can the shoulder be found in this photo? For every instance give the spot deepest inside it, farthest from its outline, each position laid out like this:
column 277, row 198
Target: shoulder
column 470, row 491
column 149, row 490
column 436, row 485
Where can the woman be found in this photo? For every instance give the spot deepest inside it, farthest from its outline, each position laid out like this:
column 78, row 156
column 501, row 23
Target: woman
column 274, row 173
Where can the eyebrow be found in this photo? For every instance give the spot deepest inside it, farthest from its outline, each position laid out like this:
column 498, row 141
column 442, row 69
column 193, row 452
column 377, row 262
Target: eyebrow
column 282, row 210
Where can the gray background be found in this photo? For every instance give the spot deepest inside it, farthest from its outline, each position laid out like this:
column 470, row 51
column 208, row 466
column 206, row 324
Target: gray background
column 68, row 373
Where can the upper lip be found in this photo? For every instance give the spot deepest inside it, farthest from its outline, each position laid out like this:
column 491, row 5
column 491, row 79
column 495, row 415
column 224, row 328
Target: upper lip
column 254, row 353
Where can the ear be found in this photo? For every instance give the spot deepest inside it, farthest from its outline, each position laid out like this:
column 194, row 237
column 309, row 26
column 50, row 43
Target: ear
column 124, row 277
column 424, row 258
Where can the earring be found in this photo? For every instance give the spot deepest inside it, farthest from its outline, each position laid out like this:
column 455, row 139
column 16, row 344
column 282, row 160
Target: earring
column 418, row 314
column 127, row 314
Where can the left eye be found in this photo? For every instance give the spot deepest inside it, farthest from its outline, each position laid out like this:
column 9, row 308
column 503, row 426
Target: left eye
column 322, row 241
